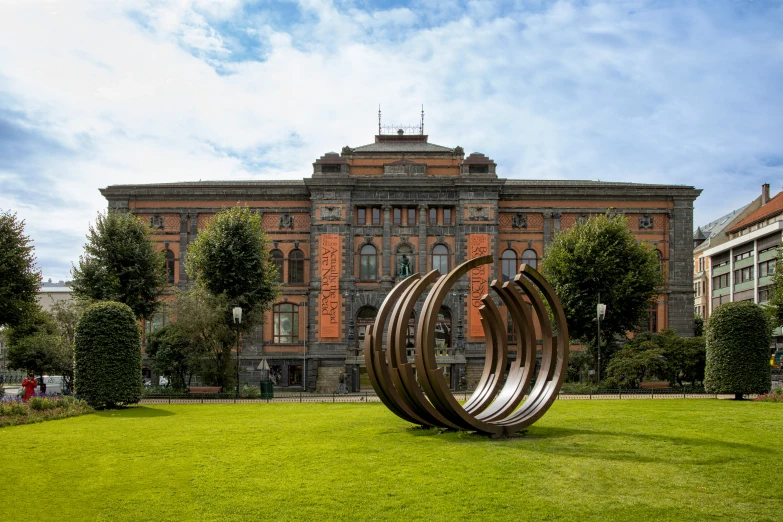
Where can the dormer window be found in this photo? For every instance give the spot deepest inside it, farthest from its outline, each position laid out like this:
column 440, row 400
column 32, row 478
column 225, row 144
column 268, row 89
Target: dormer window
column 330, row 169
column 478, row 169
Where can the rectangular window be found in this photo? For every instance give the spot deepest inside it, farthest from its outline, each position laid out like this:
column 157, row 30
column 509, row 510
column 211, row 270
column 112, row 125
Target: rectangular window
column 397, row 216
column 411, row 216
column 744, row 255
column 447, row 216
column 763, row 294
column 433, row 216
column 743, row 275
column 376, row 216
column 361, row 216
column 721, row 281
column 767, row 268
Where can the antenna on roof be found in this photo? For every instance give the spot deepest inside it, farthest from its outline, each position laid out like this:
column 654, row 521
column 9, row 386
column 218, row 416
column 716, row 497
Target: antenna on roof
column 421, row 128
column 379, row 119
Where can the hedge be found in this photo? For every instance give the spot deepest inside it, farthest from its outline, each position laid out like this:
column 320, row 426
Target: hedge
column 738, row 340
column 107, row 356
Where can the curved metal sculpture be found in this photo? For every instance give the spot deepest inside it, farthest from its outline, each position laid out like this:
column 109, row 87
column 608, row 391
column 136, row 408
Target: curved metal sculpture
column 491, row 409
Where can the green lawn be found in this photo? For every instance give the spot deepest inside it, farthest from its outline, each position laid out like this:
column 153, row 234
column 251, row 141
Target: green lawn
column 584, row 460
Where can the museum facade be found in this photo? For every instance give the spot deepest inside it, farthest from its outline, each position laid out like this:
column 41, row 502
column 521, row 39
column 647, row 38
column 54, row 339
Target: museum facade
column 373, row 214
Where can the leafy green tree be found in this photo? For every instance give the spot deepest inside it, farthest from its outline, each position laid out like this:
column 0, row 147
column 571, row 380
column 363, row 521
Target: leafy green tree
column 201, row 319
column 66, row 315
column 684, row 357
column 175, row 354
column 32, row 344
column 579, row 365
column 738, row 339
column 775, row 307
column 230, row 258
column 601, row 256
column 632, row 364
column 120, row 264
column 107, row 356
column 19, row 280
column 698, row 326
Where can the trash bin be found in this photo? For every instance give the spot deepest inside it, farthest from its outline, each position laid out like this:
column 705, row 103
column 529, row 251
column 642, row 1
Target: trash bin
column 267, row 390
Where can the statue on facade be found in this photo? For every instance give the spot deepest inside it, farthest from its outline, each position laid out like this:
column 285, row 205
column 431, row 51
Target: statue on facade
column 404, row 266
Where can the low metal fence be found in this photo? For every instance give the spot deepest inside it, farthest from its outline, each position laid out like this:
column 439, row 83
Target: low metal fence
column 303, row 397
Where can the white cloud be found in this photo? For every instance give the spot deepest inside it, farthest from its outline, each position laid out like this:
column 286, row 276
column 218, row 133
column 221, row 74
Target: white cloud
column 147, row 92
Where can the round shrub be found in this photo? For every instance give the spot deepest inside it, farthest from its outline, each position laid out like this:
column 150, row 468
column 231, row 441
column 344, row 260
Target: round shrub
column 738, row 339
column 107, row 356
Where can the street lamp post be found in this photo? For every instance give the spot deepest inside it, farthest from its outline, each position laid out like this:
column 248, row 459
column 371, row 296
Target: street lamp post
column 237, row 321
column 600, row 314
column 304, row 348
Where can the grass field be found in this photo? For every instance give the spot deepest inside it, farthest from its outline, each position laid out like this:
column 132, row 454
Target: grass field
column 584, row 460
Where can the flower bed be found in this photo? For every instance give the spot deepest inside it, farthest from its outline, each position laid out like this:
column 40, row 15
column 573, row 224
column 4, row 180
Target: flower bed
column 776, row 395
column 15, row 411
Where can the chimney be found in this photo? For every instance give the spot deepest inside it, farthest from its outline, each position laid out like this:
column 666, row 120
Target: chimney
column 764, row 193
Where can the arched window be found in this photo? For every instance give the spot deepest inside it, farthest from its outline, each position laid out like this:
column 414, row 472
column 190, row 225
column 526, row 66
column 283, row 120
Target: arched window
column 443, row 329
column 660, row 260
column 530, row 257
column 368, row 263
column 509, row 266
column 170, row 266
column 296, row 267
column 277, row 260
column 286, row 323
column 364, row 317
column 440, row 259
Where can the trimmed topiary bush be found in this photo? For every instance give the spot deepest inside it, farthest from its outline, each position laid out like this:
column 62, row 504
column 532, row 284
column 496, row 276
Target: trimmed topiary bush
column 738, row 339
column 107, row 356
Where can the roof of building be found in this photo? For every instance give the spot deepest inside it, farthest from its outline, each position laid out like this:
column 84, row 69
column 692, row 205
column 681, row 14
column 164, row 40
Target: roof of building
column 402, row 146
column 715, row 227
column 773, row 207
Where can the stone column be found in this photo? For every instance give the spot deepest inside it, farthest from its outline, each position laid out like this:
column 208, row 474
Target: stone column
column 183, row 246
column 547, row 227
column 350, row 246
column 680, row 307
column 422, row 268
column 386, row 280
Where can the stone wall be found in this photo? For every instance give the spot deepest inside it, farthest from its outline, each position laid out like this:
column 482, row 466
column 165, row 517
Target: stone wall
column 328, row 378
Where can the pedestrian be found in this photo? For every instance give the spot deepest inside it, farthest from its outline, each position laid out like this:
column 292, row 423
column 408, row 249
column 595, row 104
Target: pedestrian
column 341, row 387
column 29, row 385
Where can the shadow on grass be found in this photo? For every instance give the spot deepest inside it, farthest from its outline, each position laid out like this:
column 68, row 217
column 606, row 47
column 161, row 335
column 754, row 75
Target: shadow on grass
column 602, row 444
column 135, row 412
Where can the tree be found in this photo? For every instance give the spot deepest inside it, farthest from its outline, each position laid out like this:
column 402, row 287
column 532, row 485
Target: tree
column 120, row 264
column 683, row 358
column 107, row 356
column 775, row 307
column 32, row 344
column 174, row 354
column 230, row 258
column 43, row 343
column 19, row 280
column 629, row 367
column 738, row 339
column 698, row 326
column 201, row 317
column 601, row 256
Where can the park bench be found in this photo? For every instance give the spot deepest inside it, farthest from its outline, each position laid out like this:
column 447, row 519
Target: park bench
column 204, row 389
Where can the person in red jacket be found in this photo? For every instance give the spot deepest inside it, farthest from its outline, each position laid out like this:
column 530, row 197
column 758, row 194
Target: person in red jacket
column 29, row 385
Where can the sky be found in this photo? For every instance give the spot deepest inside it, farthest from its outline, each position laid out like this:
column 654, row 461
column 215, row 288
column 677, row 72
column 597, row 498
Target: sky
column 117, row 92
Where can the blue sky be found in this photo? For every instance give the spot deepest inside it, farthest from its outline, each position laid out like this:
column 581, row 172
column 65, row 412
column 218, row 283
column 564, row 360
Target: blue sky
column 100, row 93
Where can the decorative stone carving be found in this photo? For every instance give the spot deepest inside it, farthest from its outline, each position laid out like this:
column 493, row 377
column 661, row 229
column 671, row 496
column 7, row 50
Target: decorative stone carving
column 156, row 221
column 478, row 213
column 645, row 221
column 581, row 218
column 331, row 213
column 519, row 220
column 404, row 266
column 287, row 221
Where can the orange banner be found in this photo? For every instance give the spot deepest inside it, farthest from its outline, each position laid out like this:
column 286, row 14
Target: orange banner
column 478, row 245
column 329, row 299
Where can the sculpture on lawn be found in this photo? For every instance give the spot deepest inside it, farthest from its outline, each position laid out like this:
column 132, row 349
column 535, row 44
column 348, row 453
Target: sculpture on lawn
column 490, row 410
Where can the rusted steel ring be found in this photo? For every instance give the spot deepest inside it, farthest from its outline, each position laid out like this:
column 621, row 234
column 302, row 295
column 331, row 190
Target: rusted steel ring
column 423, row 397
